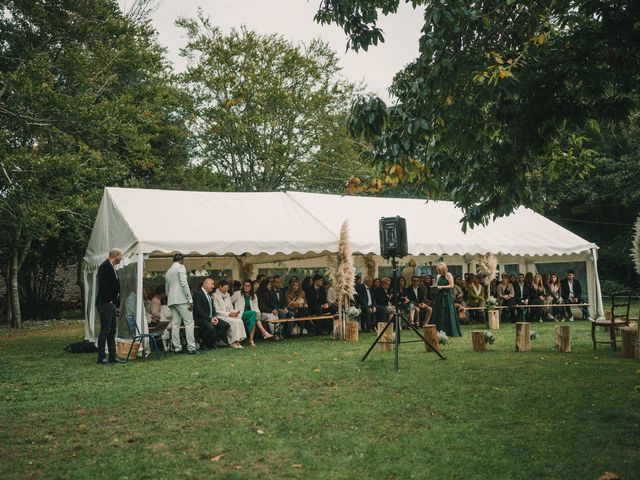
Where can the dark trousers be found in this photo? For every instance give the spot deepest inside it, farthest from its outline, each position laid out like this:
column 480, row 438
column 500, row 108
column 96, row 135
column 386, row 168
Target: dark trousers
column 211, row 333
column 107, row 312
column 365, row 318
column 585, row 309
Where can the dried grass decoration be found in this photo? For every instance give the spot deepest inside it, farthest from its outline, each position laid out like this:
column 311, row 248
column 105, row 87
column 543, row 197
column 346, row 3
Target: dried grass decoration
column 488, row 268
column 635, row 251
column 343, row 277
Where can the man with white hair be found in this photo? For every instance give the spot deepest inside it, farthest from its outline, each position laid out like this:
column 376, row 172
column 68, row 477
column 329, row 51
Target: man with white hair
column 180, row 302
column 107, row 303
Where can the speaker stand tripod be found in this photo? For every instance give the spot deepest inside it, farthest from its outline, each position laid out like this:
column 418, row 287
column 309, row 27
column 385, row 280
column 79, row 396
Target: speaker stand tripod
column 396, row 321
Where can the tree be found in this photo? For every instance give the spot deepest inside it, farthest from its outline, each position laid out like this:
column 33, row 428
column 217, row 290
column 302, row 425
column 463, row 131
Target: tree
column 85, row 101
column 268, row 115
column 503, row 93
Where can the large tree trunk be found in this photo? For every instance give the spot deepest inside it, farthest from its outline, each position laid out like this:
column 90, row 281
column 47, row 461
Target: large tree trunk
column 15, row 263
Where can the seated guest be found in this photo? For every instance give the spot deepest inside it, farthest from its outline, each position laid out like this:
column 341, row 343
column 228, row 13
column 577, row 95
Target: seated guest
column 297, row 305
column 553, row 292
column 279, row 303
column 377, row 283
column 417, row 296
column 512, row 279
column 537, row 296
column 460, row 296
column 248, row 305
column 155, row 305
column 382, row 299
column 318, row 305
column 225, row 310
column 366, row 304
column 306, row 283
column 505, row 296
column 476, row 299
column 571, row 292
column 522, row 292
column 267, row 310
column 212, row 329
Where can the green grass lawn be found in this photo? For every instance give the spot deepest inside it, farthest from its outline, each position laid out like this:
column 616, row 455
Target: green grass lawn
column 309, row 408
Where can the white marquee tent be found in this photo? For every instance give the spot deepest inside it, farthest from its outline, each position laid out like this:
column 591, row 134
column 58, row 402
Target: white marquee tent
column 240, row 230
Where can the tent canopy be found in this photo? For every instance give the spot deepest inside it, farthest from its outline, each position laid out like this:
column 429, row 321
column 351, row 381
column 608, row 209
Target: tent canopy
column 297, row 225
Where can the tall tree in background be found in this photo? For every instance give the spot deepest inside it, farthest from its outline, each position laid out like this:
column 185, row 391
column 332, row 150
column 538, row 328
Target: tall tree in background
column 86, row 101
column 268, row 115
column 504, row 93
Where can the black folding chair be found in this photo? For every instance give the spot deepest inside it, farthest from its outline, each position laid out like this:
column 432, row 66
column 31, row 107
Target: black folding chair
column 136, row 336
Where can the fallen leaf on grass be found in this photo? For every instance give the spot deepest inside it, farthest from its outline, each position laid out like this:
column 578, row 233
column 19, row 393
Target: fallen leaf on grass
column 297, row 465
column 609, row 476
column 260, row 431
column 217, row 458
column 316, row 370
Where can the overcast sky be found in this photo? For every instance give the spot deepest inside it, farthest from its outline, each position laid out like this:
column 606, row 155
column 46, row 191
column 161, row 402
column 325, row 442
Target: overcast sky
column 294, row 20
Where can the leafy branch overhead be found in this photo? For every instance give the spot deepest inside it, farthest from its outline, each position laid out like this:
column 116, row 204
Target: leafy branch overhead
column 502, row 94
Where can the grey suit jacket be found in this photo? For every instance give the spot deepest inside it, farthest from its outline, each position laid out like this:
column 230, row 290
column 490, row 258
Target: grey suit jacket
column 177, row 287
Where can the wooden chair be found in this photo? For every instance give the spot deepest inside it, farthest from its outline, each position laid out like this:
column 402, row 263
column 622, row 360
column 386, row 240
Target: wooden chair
column 620, row 305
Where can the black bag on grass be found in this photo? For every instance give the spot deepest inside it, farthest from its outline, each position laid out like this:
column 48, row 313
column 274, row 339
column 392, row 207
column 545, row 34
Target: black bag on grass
column 85, row 346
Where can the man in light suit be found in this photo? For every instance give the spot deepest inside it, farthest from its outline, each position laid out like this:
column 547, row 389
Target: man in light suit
column 181, row 304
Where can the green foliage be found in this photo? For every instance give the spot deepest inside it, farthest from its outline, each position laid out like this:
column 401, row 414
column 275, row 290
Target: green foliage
column 308, row 408
column 86, row 100
column 268, row 115
column 502, row 94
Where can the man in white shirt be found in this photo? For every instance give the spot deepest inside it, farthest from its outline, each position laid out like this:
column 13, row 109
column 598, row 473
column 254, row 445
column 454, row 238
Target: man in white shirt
column 366, row 304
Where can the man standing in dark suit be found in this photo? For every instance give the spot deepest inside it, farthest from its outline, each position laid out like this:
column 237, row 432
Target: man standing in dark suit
column 212, row 328
column 571, row 292
column 417, row 296
column 107, row 303
column 366, row 303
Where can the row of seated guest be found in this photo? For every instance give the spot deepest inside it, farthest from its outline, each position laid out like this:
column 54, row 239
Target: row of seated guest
column 549, row 298
column 374, row 298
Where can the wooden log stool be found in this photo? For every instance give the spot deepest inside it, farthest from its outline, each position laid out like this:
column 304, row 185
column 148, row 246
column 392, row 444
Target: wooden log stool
column 563, row 338
column 629, row 339
column 352, row 334
column 523, row 337
column 430, row 332
column 493, row 319
column 479, row 344
column 387, row 337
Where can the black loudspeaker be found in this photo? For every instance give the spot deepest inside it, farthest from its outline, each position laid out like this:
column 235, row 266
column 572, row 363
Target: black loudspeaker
column 393, row 237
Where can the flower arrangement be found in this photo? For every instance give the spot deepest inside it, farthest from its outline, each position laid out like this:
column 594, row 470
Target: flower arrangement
column 353, row 313
column 491, row 302
column 533, row 335
column 442, row 338
column 489, row 337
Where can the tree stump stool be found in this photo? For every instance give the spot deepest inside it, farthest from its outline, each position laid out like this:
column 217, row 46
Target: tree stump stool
column 563, row 338
column 430, row 332
column 493, row 319
column 479, row 344
column 629, row 339
column 352, row 334
column 523, row 337
column 387, row 337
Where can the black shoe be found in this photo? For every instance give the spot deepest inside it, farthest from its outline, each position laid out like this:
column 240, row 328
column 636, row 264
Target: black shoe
column 193, row 352
column 116, row 361
column 103, row 361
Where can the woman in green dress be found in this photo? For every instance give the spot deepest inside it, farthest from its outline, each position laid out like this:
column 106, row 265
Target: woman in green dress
column 247, row 303
column 444, row 313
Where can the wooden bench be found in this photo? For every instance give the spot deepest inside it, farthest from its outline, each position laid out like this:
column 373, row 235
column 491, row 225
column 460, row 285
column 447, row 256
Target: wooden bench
column 311, row 318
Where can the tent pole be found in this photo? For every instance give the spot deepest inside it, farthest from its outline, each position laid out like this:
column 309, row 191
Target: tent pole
column 139, row 310
column 598, row 295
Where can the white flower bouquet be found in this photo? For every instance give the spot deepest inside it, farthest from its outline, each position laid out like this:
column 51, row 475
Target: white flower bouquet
column 491, row 302
column 533, row 335
column 353, row 313
column 442, row 338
